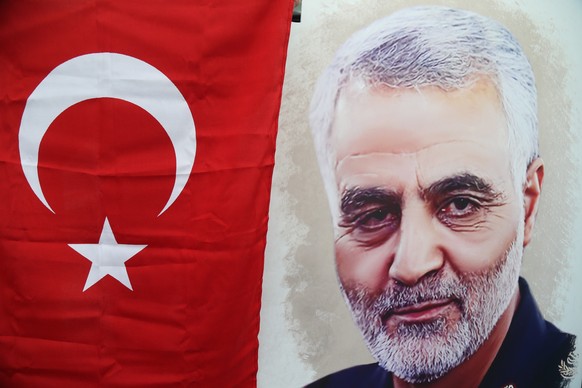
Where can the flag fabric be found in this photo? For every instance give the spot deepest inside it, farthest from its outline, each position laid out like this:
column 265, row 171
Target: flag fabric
column 137, row 143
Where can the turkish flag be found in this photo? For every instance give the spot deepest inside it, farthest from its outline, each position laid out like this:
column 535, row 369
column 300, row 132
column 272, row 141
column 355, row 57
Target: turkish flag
column 137, row 145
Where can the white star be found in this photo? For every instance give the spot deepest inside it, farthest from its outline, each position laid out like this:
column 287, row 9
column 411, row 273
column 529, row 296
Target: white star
column 108, row 257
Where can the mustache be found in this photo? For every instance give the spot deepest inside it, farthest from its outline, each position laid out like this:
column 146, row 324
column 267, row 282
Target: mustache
column 430, row 289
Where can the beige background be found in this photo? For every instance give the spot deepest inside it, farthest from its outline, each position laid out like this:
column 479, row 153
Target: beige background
column 306, row 330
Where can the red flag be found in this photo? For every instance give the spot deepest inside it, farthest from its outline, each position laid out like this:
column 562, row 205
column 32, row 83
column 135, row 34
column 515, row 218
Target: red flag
column 137, row 145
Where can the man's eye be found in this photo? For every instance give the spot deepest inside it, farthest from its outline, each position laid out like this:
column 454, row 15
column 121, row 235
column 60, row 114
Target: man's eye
column 374, row 219
column 459, row 207
column 460, row 211
column 373, row 225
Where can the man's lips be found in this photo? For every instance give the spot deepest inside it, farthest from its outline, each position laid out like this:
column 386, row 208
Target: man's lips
column 424, row 311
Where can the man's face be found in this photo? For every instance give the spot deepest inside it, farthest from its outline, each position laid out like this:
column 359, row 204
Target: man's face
column 430, row 228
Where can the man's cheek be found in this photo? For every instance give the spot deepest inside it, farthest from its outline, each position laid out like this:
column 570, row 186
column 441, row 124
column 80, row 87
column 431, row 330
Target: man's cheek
column 367, row 267
column 479, row 251
column 476, row 257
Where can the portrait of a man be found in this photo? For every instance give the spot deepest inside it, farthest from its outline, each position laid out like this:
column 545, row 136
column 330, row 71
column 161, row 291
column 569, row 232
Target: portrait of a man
column 425, row 126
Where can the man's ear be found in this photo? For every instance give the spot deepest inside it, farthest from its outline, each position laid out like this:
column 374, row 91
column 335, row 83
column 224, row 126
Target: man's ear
column 531, row 196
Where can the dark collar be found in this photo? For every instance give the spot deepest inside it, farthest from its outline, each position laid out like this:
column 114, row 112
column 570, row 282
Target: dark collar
column 532, row 350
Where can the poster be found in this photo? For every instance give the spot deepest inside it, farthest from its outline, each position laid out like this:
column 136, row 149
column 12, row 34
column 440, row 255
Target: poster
column 304, row 321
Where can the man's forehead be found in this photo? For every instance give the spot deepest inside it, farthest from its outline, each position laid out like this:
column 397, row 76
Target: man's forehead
column 414, row 137
column 402, row 120
column 417, row 171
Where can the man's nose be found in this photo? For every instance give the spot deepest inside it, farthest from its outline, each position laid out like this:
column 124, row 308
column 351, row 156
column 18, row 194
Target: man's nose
column 419, row 251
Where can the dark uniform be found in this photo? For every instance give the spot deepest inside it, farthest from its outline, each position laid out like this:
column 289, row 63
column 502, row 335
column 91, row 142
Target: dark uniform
column 534, row 354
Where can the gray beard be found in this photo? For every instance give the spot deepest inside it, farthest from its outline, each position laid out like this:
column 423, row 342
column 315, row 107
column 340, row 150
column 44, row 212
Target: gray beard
column 423, row 352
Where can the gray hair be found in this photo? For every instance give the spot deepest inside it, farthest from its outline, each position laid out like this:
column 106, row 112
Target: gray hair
column 432, row 46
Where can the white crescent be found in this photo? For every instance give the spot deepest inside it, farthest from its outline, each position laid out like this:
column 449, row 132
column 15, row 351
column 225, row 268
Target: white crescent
column 111, row 75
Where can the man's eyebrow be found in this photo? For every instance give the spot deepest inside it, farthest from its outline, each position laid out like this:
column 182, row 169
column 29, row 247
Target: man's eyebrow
column 461, row 182
column 357, row 197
